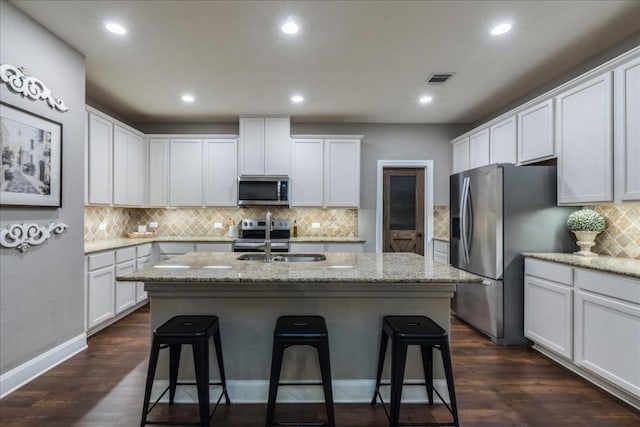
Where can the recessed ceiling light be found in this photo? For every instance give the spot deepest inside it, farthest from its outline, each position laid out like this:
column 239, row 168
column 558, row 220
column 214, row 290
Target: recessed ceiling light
column 297, row 99
column 290, row 27
column 188, row 98
column 425, row 99
column 499, row 29
column 115, row 28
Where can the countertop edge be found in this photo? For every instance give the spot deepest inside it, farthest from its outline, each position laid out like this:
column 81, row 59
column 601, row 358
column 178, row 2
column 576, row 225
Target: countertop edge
column 616, row 265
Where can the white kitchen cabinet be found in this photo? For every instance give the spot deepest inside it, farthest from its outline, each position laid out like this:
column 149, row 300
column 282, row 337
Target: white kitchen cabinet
column 141, row 263
column 185, row 172
column 460, row 149
column 158, row 172
column 100, row 288
column 264, row 146
column 585, row 142
column 479, row 149
column 342, row 173
column 129, row 168
column 100, row 160
column 627, row 131
column 535, row 133
column 441, row 252
column 214, row 247
column 503, row 142
column 307, row 172
column 221, row 172
column 607, row 327
column 548, row 309
column 125, row 291
column 306, row 247
column 170, row 250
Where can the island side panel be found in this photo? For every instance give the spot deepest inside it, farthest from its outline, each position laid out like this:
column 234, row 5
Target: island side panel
column 353, row 317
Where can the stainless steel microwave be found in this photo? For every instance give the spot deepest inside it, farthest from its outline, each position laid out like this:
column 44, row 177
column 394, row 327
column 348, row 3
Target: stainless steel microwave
column 258, row 190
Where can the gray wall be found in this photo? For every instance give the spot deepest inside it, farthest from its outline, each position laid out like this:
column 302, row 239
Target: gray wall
column 41, row 291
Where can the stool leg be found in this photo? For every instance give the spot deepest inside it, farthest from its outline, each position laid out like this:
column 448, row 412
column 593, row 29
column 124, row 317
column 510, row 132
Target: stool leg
column 398, row 360
column 384, row 339
column 427, row 364
column 201, row 363
column 151, row 373
column 223, row 380
column 276, row 365
column 448, row 372
column 325, row 370
column 174, row 364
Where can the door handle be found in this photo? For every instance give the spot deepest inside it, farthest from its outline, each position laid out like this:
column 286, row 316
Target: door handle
column 419, row 234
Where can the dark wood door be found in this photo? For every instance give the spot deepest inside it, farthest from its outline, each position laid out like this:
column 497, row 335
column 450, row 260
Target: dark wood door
column 403, row 210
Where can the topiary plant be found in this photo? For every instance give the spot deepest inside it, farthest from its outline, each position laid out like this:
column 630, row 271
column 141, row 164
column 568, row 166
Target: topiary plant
column 586, row 220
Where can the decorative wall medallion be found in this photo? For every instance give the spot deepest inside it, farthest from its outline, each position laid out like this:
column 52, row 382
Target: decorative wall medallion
column 23, row 236
column 20, row 81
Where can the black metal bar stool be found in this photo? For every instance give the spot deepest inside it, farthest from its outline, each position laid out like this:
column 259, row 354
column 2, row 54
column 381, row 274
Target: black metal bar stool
column 175, row 332
column 414, row 330
column 300, row 330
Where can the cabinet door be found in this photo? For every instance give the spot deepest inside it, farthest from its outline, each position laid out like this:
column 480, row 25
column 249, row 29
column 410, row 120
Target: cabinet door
column 143, row 262
column 137, row 164
column 627, row 131
column 251, row 156
column 277, row 146
column 307, row 170
column 120, row 142
column 213, row 247
column 100, row 159
column 535, row 133
column 158, row 172
column 479, row 149
column 221, row 173
column 100, row 295
column 342, row 173
column 185, row 172
column 548, row 315
column 585, row 143
column 125, row 291
column 607, row 339
column 441, row 257
column 504, row 147
column 344, row 247
column 306, row 247
column 461, row 155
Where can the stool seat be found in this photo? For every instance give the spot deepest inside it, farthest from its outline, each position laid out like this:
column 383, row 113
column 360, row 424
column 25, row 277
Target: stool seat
column 187, row 327
column 300, row 327
column 413, row 327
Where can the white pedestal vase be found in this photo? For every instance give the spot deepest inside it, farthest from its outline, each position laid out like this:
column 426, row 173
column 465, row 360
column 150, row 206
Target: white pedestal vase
column 586, row 240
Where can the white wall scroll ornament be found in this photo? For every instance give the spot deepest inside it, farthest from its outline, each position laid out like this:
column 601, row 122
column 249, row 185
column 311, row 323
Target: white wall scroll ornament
column 23, row 236
column 20, row 81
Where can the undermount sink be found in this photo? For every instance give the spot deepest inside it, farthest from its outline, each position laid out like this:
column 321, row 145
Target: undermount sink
column 283, row 257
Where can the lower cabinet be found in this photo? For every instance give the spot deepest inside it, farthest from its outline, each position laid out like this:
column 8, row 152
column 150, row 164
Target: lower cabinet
column 590, row 319
column 326, row 247
column 100, row 295
column 141, row 295
column 441, row 251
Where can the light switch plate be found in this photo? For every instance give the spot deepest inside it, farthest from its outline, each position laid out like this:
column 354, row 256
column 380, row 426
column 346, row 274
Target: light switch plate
column 102, row 226
column 315, row 225
column 217, row 225
column 153, row 224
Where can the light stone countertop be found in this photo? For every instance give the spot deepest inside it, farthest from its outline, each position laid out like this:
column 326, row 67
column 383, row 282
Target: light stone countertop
column 384, row 268
column 625, row 266
column 442, row 239
column 318, row 239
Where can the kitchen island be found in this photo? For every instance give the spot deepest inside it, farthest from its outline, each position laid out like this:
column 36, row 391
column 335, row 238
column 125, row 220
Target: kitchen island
column 353, row 291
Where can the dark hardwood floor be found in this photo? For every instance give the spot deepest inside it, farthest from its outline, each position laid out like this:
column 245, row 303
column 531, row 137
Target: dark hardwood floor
column 496, row 386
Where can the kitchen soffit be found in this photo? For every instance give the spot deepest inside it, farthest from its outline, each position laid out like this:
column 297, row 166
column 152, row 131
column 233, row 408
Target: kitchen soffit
column 354, row 61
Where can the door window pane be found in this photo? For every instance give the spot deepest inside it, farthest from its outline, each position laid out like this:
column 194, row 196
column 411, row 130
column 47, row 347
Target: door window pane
column 402, row 202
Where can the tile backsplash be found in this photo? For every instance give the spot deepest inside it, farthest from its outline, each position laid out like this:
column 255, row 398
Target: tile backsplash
column 441, row 222
column 621, row 238
column 200, row 221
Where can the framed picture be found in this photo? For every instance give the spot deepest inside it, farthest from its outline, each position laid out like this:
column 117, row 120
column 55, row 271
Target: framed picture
column 31, row 168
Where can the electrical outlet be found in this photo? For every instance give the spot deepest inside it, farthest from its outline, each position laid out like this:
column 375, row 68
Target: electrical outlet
column 217, row 225
column 102, row 226
column 315, row 225
column 153, row 224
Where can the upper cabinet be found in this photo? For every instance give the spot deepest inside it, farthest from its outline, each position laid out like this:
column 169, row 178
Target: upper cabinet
column 585, row 142
column 479, row 149
column 460, row 154
column 264, row 146
column 158, row 172
column 185, row 172
column 130, row 168
column 627, row 131
column 100, row 159
column 325, row 171
column 220, row 172
column 535, row 133
column 503, row 142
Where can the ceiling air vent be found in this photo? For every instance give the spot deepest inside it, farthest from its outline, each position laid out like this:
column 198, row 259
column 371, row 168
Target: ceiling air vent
column 439, row 78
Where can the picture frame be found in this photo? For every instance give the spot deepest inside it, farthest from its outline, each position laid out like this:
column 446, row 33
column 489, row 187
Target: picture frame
column 31, row 165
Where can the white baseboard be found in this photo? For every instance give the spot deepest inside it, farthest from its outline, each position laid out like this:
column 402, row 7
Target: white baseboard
column 37, row 366
column 344, row 391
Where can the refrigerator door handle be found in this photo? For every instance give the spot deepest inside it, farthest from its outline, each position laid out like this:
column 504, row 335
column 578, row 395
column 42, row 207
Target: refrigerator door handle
column 463, row 219
column 469, row 223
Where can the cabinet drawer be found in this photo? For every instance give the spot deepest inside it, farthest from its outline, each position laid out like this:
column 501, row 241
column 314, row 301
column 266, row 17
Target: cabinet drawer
column 173, row 248
column 143, row 250
column 440, row 246
column 127, row 254
column 344, row 247
column 213, row 247
column 549, row 270
column 624, row 288
column 101, row 260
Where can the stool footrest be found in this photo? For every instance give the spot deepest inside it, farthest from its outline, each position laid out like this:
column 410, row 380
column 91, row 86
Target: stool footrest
column 292, row 423
column 289, row 383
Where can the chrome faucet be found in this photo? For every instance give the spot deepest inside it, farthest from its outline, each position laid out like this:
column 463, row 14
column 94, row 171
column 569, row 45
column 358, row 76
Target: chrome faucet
column 267, row 238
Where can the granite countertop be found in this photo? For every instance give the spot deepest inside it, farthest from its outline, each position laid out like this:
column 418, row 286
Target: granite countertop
column 441, row 238
column 369, row 268
column 625, row 266
column 123, row 242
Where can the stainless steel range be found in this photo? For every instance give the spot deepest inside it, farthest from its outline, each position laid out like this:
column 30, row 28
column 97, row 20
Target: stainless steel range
column 253, row 233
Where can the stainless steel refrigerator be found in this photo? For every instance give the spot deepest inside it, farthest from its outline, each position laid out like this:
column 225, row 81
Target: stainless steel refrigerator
column 497, row 212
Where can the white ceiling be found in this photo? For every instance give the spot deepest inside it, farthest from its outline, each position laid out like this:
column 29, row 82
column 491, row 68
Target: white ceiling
column 354, row 61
